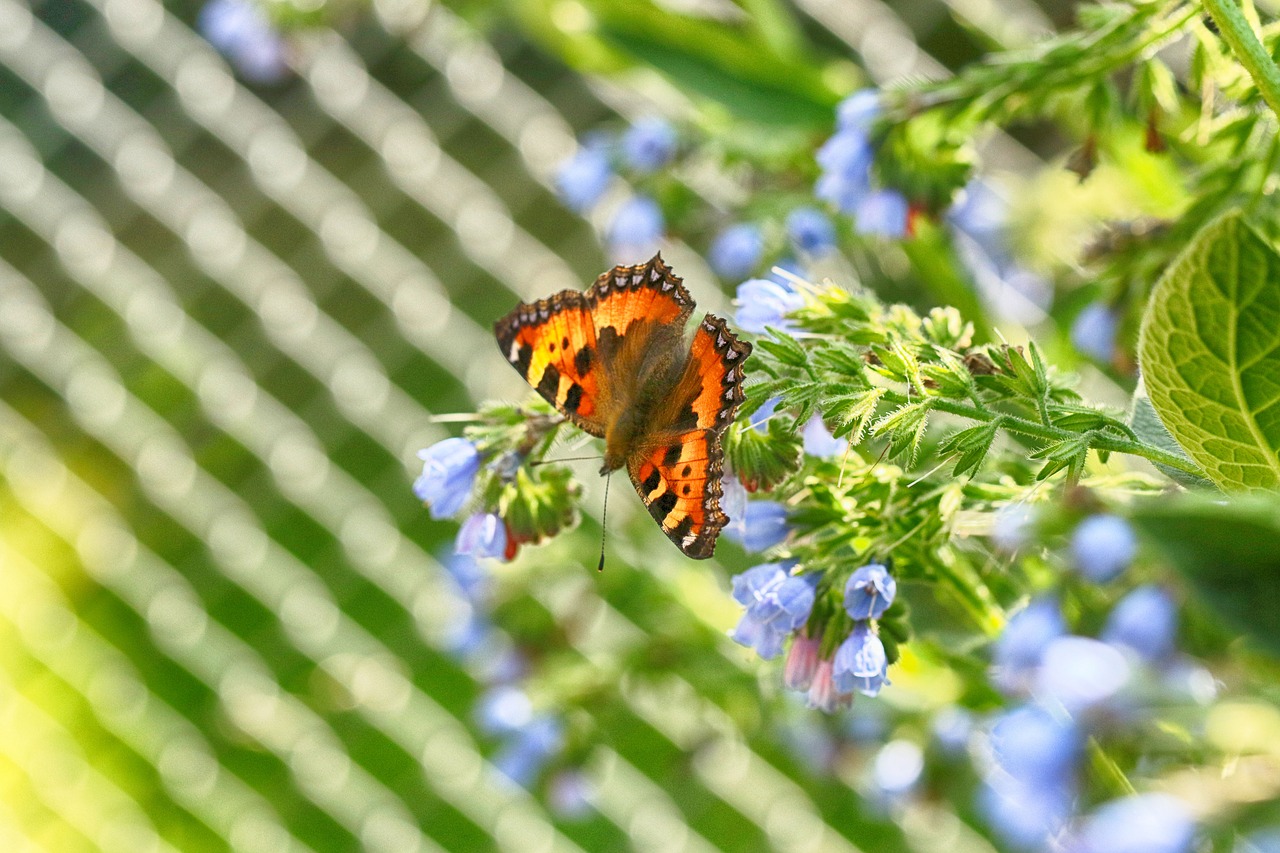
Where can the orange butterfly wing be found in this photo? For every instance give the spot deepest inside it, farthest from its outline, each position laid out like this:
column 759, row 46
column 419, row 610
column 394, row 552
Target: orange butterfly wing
column 552, row 344
column 679, row 480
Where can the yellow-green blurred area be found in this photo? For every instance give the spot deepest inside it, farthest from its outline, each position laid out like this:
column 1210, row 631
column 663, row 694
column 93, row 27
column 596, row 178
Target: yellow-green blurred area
column 228, row 314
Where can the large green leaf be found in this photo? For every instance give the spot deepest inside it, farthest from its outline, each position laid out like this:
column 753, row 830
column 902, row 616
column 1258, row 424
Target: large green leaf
column 1230, row 553
column 1210, row 354
column 1147, row 426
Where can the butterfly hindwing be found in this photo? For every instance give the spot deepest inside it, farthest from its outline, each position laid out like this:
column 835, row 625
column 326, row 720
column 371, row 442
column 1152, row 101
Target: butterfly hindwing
column 713, row 377
column 679, row 481
column 680, row 485
column 552, row 344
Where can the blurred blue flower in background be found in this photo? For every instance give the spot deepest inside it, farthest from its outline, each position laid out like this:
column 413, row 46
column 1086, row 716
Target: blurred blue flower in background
column 762, row 525
column 811, row 230
column 584, row 177
column 897, row 768
column 649, row 144
column 1103, row 546
column 860, row 663
column 846, row 158
column 1034, row 746
column 1093, row 332
column 818, row 440
column 1081, row 673
column 1029, row 786
column 763, row 302
column 869, row 591
column 856, row 113
column 472, row 578
column 952, row 727
column 636, row 229
column 883, row 213
column 1142, row 823
column 526, row 751
column 241, row 31
column 482, row 535
column 982, row 233
column 569, row 793
column 1145, row 621
column 1021, row 645
column 503, row 709
column 1025, row 816
column 736, row 251
column 776, row 602
column 448, row 470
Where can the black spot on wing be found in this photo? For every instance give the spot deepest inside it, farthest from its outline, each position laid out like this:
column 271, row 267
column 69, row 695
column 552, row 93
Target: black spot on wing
column 687, row 420
column 608, row 341
column 662, row 507
column 652, row 481
column 671, row 456
column 524, row 359
column 573, row 398
column 549, row 385
column 582, row 361
column 682, row 529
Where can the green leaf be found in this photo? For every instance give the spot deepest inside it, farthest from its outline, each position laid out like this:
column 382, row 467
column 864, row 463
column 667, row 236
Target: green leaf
column 906, row 426
column 853, row 412
column 1210, row 354
column 970, row 445
column 1228, row 551
column 784, row 348
column 1148, row 429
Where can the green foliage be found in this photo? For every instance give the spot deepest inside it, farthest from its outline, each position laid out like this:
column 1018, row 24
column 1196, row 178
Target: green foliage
column 913, row 370
column 1229, row 552
column 1210, row 351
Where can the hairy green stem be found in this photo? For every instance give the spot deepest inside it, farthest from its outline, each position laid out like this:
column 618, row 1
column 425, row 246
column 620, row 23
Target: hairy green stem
column 1108, row 767
column 1242, row 40
column 1022, row 426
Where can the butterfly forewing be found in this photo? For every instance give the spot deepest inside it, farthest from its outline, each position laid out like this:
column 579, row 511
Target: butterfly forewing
column 552, row 344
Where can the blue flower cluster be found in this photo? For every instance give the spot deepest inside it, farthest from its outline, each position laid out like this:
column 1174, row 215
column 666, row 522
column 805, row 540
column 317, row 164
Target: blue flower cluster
column 778, row 606
column 638, row 224
column 241, row 31
column 846, row 182
column 448, row 477
column 1072, row 688
column 755, row 525
column 449, row 469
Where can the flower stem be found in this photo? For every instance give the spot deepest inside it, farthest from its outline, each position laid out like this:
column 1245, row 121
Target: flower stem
column 1022, row 426
column 1107, row 766
column 1242, row 40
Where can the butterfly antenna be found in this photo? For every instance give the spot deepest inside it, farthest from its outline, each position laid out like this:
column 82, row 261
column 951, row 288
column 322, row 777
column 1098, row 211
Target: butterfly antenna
column 604, row 519
column 565, row 459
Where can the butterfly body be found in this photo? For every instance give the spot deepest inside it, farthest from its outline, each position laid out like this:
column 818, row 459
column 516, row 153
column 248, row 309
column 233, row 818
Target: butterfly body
column 614, row 360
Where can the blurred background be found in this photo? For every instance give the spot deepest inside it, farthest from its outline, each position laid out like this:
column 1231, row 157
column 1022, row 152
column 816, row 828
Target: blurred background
column 233, row 294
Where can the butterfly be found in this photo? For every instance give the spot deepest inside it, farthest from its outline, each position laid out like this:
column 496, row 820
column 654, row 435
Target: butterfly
column 614, row 360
